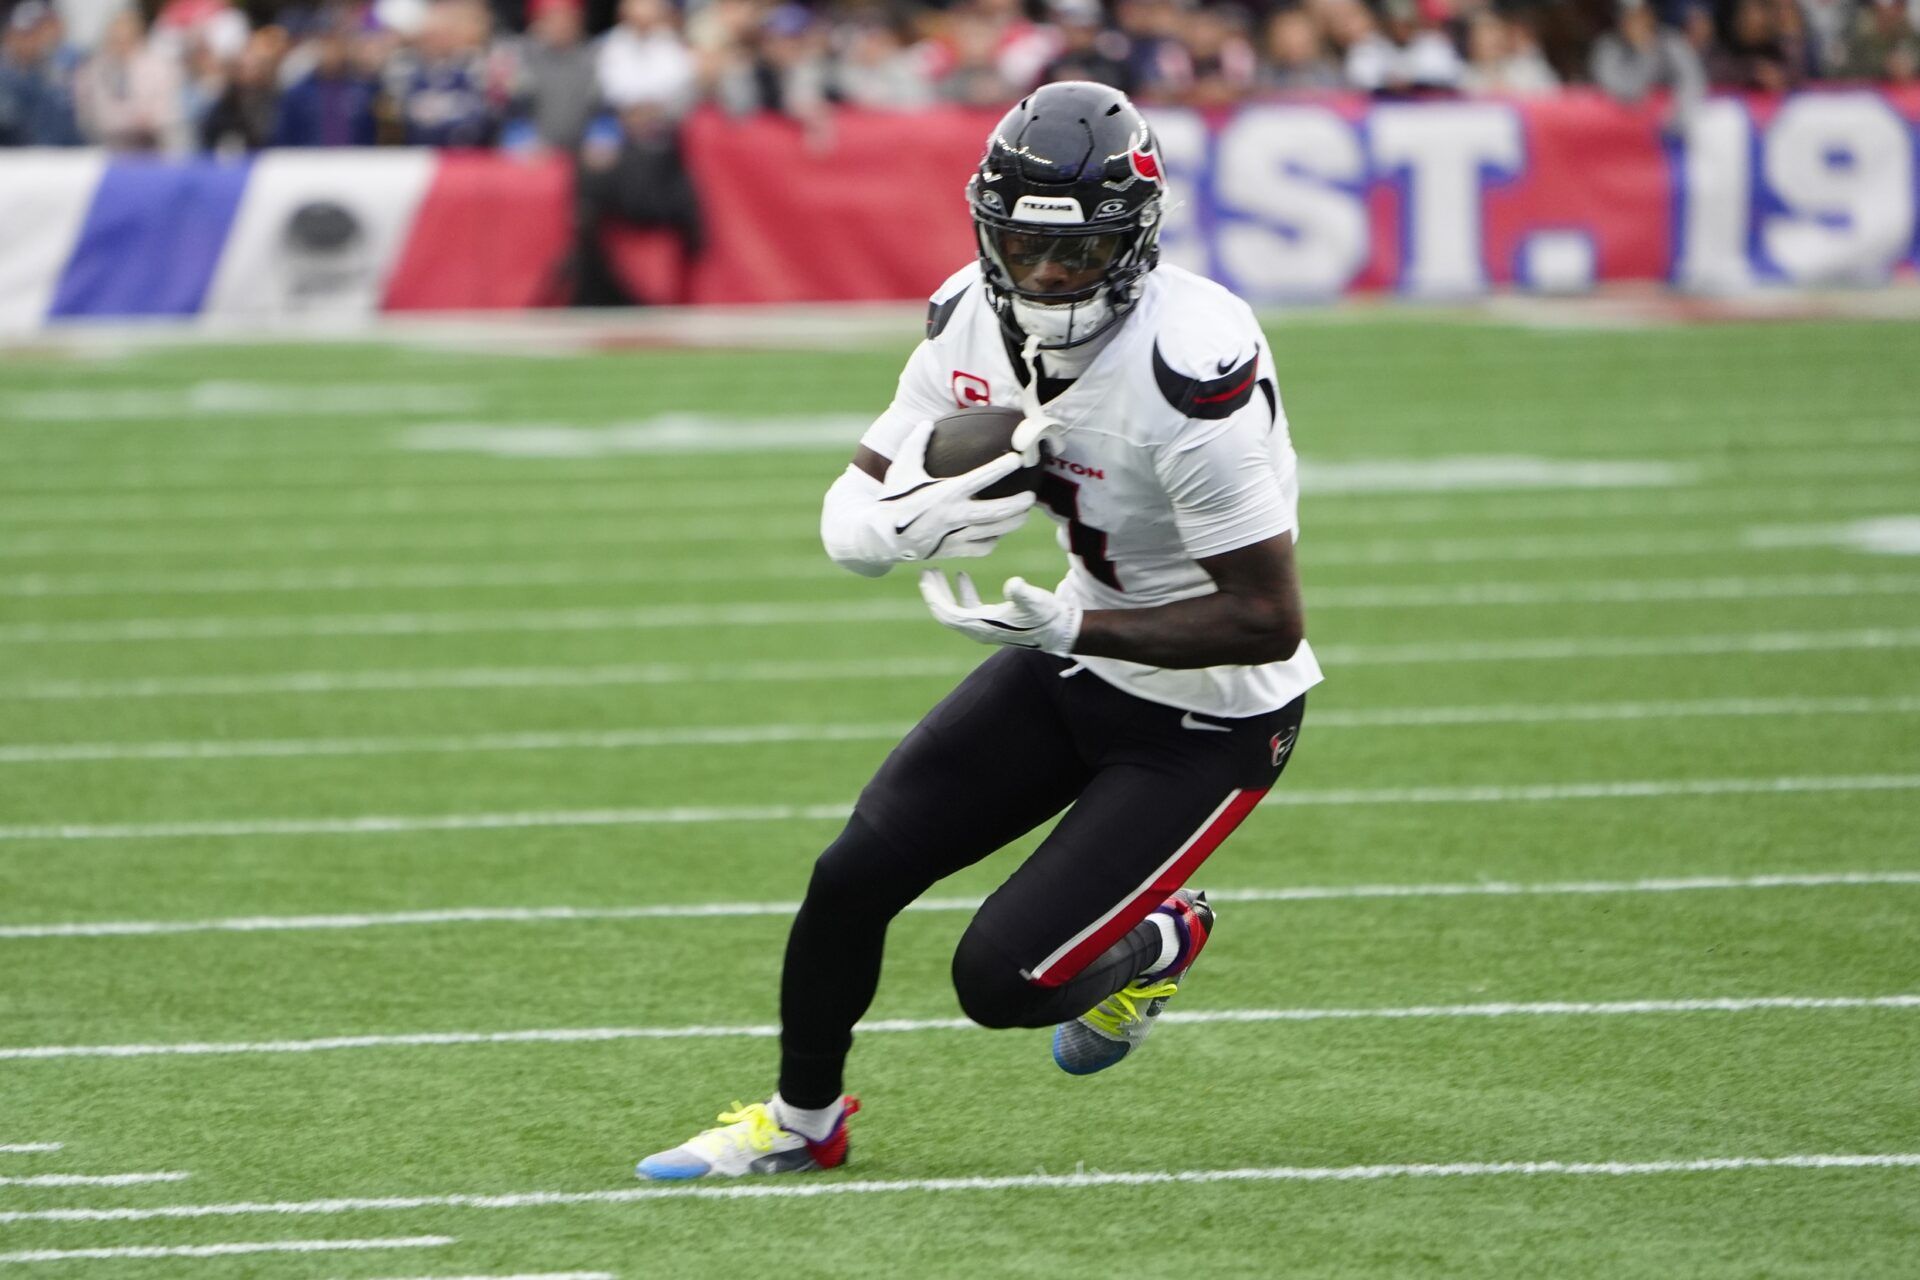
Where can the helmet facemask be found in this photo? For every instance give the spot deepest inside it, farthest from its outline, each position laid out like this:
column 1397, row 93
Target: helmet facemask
column 1065, row 286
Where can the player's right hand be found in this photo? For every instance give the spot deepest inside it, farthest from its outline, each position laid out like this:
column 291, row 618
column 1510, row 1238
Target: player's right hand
column 921, row 517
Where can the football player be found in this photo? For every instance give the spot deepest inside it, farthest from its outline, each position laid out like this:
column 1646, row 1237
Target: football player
column 1154, row 695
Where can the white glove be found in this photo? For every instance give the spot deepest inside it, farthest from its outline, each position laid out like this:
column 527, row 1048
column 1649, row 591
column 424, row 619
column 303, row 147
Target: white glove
column 930, row 518
column 1032, row 617
column 869, row 525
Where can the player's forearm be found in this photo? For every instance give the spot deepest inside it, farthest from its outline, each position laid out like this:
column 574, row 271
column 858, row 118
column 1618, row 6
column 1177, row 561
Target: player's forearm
column 1215, row 630
column 848, row 529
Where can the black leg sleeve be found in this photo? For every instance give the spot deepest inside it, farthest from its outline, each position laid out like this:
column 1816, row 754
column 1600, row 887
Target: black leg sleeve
column 833, row 958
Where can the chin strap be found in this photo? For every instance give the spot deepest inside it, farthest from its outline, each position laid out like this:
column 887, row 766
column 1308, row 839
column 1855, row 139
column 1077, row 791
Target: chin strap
column 1030, row 394
column 1036, row 426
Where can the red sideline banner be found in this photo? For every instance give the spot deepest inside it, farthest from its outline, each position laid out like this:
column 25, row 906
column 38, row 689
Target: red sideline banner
column 1282, row 201
column 1298, row 200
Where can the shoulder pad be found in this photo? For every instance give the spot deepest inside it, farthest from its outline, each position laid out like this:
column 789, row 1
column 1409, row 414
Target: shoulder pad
column 1220, row 396
column 941, row 310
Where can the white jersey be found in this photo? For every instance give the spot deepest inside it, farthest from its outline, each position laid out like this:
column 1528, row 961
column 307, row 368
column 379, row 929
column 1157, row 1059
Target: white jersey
column 1176, row 449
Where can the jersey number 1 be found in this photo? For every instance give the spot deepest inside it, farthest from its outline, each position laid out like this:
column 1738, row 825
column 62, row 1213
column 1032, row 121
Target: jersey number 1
column 1063, row 499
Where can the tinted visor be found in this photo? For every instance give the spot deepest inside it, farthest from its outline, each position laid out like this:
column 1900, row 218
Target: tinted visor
column 1049, row 263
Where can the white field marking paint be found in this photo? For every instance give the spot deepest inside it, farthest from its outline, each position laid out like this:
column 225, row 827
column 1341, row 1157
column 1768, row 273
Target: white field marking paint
column 529, row 1275
column 645, row 617
column 332, row 578
column 546, row 527
column 376, row 537
column 578, row 498
column 30, row 1148
column 756, row 734
column 227, row 1250
column 1884, row 536
column 323, row 682
column 1501, row 473
column 238, row 399
column 905, row 1026
column 405, row 500
column 584, row 740
column 831, row 613
column 92, row 1179
column 667, row 433
column 1546, row 649
column 803, row 1188
column 390, row 824
column 427, row 577
column 783, row 910
column 1671, row 504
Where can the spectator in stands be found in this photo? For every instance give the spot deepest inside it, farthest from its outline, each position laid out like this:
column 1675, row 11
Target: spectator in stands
column 1158, row 62
column 876, row 69
column 1225, row 67
column 1503, row 59
column 974, row 78
column 1088, row 49
column 36, row 80
column 639, row 180
column 556, row 90
column 331, row 105
column 439, row 86
column 1639, row 57
column 644, row 62
column 242, row 117
column 1703, row 36
column 1886, row 47
column 1406, row 54
column 129, row 96
column 1297, row 57
column 1020, row 47
column 1828, row 26
column 214, row 24
column 1762, row 48
column 785, row 70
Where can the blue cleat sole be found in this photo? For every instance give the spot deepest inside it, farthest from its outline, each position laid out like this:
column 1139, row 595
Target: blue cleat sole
column 659, row 1171
column 1083, row 1064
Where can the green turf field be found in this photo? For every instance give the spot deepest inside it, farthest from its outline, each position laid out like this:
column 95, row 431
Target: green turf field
column 1582, row 937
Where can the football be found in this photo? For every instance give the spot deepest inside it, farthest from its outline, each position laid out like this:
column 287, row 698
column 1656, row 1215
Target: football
column 966, row 438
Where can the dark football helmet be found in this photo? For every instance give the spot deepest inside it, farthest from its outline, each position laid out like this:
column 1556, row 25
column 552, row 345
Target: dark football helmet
column 1066, row 209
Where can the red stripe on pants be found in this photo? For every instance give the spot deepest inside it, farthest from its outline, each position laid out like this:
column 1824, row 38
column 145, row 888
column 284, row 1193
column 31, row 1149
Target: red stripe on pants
column 1147, row 897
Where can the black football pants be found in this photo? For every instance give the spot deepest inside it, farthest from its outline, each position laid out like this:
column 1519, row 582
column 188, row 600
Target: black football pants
column 1152, row 789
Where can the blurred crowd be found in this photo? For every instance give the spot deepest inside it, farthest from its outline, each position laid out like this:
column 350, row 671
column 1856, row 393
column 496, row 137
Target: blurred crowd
column 592, row 77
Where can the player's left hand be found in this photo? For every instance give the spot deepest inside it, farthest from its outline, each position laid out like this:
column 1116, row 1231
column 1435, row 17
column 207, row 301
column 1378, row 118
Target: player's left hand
column 1031, row 618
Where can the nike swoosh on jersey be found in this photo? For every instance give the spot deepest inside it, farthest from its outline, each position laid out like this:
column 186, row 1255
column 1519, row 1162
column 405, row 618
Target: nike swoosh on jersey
column 1189, row 721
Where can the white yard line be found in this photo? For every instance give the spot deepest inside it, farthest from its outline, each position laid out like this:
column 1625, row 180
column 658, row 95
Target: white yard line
column 423, row 577
column 469, row 575
column 358, row 502
column 789, row 1188
column 583, row 740
column 1543, row 649
column 653, row 673
column 869, row 610
column 710, row 910
column 30, row 1148
column 529, row 1275
column 755, row 734
column 227, row 1250
column 1483, row 478
column 547, row 528
column 385, row 824
column 386, row 535
column 595, row 1035
column 92, row 1179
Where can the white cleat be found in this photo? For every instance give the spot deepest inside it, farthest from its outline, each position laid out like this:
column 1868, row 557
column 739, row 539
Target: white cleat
column 748, row 1140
